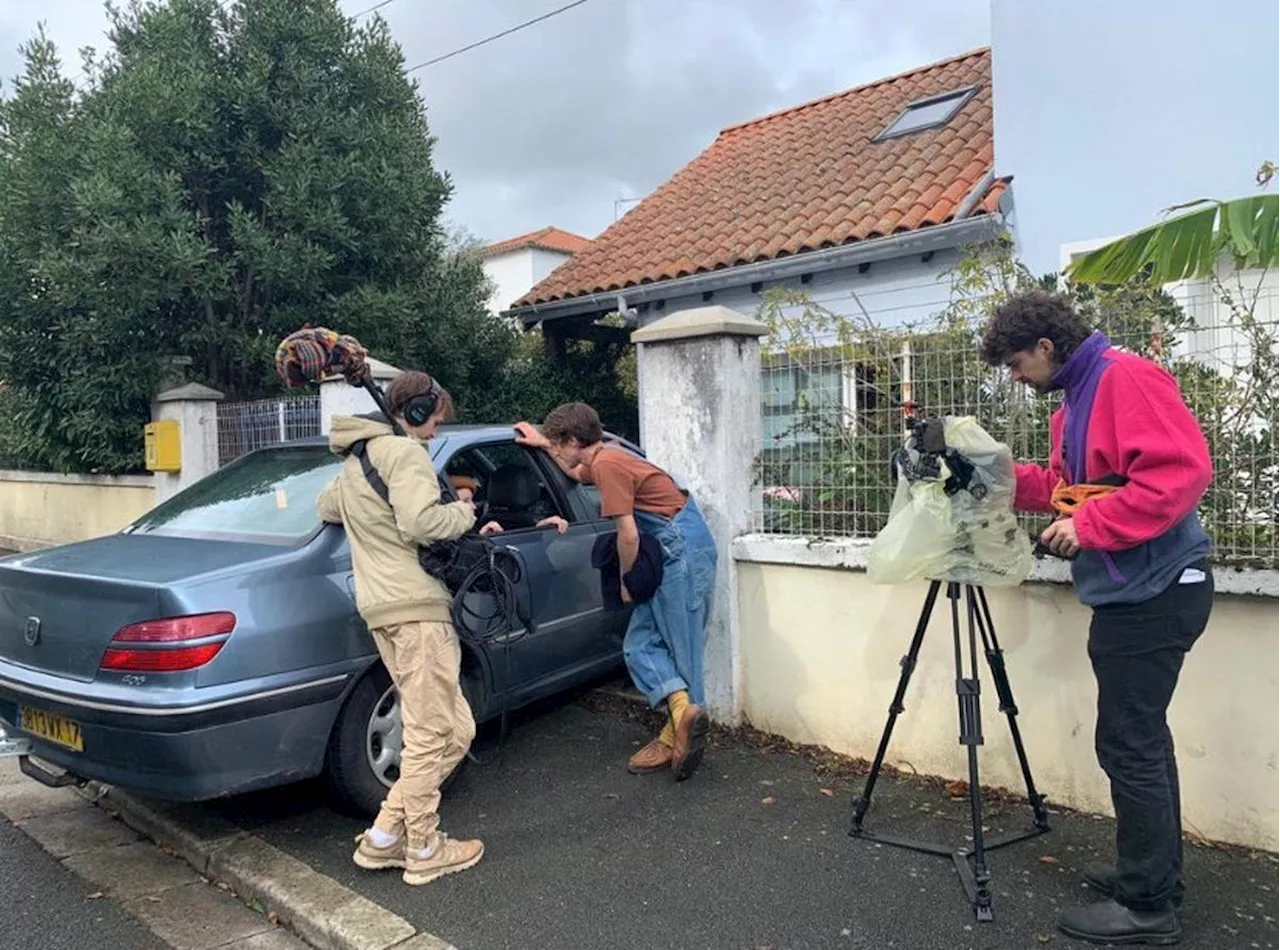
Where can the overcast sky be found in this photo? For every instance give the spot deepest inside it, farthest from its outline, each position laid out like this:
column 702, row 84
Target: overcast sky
column 553, row 124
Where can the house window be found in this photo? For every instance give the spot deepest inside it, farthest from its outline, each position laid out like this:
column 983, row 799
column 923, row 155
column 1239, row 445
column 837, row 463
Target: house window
column 927, row 113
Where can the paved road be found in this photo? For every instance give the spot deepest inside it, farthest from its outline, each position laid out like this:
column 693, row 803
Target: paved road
column 44, row 906
column 750, row 854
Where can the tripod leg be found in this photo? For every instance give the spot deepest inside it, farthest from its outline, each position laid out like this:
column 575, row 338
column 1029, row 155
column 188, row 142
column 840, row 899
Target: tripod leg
column 862, row 803
column 1000, row 676
column 968, row 690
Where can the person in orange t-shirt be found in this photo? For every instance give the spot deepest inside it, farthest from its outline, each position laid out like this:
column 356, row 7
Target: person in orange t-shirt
column 666, row 633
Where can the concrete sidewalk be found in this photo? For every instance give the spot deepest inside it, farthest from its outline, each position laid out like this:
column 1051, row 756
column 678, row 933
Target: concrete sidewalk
column 74, row 878
column 752, row 853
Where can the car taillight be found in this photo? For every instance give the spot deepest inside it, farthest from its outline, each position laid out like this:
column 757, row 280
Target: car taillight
column 170, row 645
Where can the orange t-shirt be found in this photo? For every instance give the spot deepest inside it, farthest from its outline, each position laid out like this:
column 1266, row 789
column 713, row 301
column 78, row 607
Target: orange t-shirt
column 628, row 483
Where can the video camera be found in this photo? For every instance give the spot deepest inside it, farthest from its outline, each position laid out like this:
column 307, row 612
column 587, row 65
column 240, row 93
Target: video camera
column 952, row 515
column 922, row 456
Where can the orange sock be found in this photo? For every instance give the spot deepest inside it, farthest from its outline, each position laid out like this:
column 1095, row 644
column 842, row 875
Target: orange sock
column 677, row 703
column 668, row 734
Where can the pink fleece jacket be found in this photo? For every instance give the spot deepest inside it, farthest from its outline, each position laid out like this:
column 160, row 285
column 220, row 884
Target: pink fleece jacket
column 1135, row 425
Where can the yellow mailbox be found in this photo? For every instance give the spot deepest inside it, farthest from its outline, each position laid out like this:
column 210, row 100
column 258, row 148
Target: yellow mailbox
column 164, row 446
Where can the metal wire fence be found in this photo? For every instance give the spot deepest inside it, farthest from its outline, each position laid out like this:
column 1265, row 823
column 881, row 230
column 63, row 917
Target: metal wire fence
column 246, row 426
column 833, row 407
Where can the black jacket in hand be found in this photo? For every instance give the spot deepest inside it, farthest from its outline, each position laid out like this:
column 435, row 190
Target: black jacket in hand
column 643, row 578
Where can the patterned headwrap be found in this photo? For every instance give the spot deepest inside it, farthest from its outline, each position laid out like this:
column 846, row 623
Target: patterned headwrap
column 312, row 353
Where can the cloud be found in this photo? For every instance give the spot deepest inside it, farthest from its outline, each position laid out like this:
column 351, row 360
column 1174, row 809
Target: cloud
column 553, row 124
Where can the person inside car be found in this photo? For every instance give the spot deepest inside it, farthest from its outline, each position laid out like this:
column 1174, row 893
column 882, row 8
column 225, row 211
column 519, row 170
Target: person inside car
column 493, row 527
column 408, row 614
column 665, row 636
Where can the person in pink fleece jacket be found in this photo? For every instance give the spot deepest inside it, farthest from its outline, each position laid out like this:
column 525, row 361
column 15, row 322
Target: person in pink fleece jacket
column 1127, row 469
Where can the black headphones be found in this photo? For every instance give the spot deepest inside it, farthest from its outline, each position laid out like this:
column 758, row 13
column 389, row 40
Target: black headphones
column 421, row 408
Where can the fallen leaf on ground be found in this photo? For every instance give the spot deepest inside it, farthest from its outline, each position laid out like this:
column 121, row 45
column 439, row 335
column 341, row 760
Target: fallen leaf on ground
column 1043, row 938
column 273, row 917
column 768, row 800
column 610, row 797
column 1048, row 859
column 96, row 895
column 958, row 789
column 154, row 899
column 826, row 791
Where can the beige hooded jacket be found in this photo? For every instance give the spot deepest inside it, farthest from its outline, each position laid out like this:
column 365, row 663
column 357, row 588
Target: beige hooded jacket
column 391, row 587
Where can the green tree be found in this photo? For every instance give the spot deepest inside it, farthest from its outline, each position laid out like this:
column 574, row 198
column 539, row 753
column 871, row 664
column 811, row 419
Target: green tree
column 230, row 174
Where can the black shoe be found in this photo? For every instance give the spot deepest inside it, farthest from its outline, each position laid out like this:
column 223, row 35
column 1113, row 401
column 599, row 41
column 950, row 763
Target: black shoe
column 1102, row 878
column 1109, row 922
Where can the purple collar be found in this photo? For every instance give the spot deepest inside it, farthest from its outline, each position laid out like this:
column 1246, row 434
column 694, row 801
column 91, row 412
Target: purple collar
column 1080, row 364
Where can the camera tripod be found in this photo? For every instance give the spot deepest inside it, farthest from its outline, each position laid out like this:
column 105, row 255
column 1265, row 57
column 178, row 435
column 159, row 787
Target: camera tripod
column 976, row 877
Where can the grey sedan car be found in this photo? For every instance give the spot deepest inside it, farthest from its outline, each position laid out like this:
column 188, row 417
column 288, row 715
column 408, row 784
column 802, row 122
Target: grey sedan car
column 213, row 647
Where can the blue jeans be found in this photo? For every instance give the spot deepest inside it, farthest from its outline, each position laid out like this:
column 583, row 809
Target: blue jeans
column 666, row 635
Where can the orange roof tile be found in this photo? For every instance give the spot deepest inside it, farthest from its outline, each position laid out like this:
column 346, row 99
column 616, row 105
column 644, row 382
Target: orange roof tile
column 550, row 239
column 797, row 180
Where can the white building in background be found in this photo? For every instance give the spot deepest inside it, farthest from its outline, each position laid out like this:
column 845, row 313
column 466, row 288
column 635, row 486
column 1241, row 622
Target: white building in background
column 517, row 264
column 1219, row 338
column 1108, row 112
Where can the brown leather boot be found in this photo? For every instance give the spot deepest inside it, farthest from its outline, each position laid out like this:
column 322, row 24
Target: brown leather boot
column 654, row 757
column 691, row 737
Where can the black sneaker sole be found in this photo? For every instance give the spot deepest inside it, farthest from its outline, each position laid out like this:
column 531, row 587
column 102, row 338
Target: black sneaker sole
column 1153, row 939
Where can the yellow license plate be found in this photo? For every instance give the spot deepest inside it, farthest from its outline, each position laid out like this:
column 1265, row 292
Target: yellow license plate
column 46, row 725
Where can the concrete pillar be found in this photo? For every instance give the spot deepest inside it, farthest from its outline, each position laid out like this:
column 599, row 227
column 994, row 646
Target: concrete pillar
column 340, row 398
column 195, row 409
column 700, row 419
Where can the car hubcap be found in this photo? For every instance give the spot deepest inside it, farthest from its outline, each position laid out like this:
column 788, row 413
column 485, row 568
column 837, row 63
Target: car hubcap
column 384, row 738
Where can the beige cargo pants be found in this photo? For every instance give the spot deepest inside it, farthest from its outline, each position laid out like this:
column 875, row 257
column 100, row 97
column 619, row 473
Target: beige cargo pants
column 424, row 660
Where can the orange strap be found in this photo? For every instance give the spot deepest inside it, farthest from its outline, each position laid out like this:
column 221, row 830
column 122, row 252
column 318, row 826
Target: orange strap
column 1068, row 499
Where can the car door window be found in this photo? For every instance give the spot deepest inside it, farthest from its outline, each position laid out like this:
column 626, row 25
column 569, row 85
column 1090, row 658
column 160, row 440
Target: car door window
column 508, row 485
column 583, row 497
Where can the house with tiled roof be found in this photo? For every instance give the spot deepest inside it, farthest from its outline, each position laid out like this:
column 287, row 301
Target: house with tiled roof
column 863, row 200
column 517, row 264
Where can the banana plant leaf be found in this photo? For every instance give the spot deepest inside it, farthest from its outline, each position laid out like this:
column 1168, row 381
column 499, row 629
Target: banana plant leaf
column 1189, row 245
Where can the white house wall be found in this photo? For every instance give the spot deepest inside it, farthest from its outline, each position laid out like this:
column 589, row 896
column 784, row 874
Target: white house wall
column 894, row 293
column 1095, row 144
column 543, row 262
column 512, row 275
column 1219, row 340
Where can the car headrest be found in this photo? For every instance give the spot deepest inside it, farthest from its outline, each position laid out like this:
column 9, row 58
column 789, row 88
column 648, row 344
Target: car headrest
column 514, row 486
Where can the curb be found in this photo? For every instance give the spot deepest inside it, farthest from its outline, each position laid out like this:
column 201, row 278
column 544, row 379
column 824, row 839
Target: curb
column 324, row 913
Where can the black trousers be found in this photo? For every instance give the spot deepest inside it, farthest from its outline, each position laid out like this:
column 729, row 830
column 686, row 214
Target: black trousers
column 1137, row 652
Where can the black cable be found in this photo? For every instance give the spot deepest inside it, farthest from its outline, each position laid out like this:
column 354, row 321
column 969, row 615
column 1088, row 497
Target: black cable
column 376, row 6
column 492, row 577
column 497, row 36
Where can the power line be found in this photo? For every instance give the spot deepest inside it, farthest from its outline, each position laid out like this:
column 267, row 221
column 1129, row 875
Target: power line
column 457, row 52
column 496, row 36
column 376, row 6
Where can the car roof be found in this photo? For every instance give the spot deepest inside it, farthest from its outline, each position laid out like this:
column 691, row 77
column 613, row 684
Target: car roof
column 466, row 434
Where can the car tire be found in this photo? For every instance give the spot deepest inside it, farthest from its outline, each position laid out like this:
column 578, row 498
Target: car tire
column 349, row 771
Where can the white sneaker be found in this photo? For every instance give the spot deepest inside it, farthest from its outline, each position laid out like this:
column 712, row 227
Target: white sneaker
column 446, row 856
column 372, row 858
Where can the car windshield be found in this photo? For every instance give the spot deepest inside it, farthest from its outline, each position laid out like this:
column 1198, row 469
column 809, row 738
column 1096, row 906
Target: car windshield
column 267, row 497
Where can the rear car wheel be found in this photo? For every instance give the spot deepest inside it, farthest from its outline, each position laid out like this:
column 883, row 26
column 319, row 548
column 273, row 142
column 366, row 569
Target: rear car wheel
column 363, row 760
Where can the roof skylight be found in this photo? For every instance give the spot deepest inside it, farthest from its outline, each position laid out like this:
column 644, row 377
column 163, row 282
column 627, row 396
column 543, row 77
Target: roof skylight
column 927, row 113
